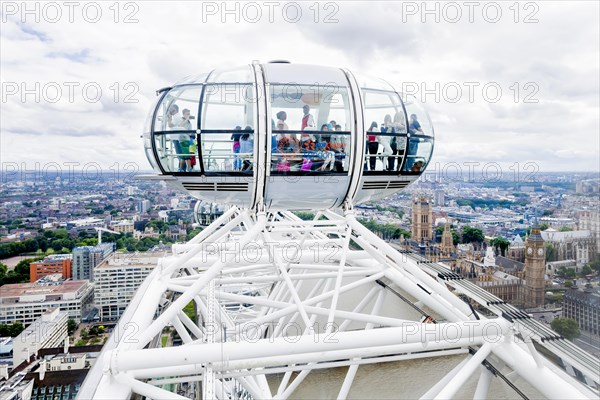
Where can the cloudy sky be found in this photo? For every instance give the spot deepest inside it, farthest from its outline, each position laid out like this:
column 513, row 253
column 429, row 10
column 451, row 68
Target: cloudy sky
column 504, row 82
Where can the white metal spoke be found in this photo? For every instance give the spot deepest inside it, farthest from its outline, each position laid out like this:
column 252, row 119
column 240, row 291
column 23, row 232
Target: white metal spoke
column 296, row 276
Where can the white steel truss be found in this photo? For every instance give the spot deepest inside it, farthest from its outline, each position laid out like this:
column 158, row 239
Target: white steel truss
column 271, row 294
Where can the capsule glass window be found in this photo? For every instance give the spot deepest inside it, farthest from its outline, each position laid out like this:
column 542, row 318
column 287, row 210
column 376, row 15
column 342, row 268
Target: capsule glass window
column 175, row 127
column 310, row 129
column 386, row 132
column 420, row 141
column 228, row 128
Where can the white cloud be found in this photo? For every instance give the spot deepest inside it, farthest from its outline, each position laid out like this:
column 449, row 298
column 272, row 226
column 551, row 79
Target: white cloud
column 559, row 55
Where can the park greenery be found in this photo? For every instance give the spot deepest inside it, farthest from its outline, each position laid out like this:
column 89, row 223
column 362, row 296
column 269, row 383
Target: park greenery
column 595, row 264
column 385, row 231
column 92, row 336
column 568, row 273
column 11, row 330
column 59, row 241
column 490, row 204
column 71, row 326
column 566, row 327
column 19, row 274
column 472, row 235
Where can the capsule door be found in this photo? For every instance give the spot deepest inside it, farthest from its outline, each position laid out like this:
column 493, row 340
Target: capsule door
column 310, row 144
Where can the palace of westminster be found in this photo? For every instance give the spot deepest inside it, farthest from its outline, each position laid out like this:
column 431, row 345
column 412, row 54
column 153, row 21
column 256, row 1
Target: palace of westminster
column 519, row 278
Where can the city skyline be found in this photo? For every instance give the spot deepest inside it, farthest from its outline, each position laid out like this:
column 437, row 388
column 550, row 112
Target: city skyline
column 52, row 69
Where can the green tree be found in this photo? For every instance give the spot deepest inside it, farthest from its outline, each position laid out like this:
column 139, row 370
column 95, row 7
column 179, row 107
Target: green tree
column 571, row 273
column 569, row 284
column 595, row 264
column 550, row 252
column 3, row 270
column 71, row 326
column 60, row 234
column 586, row 270
column 543, row 226
column 566, row 272
column 193, row 233
column 455, row 237
column 566, row 327
column 20, row 273
column 472, row 235
column 12, row 330
column 500, row 243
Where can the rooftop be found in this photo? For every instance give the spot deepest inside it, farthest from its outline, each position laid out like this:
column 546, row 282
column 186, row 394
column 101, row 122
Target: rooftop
column 589, row 296
column 145, row 259
column 36, row 288
column 86, row 221
column 557, row 236
column 509, row 264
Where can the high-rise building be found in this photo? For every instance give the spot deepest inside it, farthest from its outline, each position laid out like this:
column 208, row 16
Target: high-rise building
column 117, row 280
column 535, row 268
column 439, row 198
column 144, row 205
column 85, row 258
column 422, row 220
column 50, row 265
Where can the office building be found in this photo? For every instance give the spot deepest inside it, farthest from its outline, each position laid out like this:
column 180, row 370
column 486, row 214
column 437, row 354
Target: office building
column 123, row 226
column 26, row 302
column 584, row 307
column 117, row 280
column 51, row 265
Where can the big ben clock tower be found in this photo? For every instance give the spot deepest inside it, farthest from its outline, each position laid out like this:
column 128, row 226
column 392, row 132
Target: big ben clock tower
column 535, row 265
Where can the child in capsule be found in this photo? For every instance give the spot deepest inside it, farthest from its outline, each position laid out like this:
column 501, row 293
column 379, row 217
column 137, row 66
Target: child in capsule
column 416, row 167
